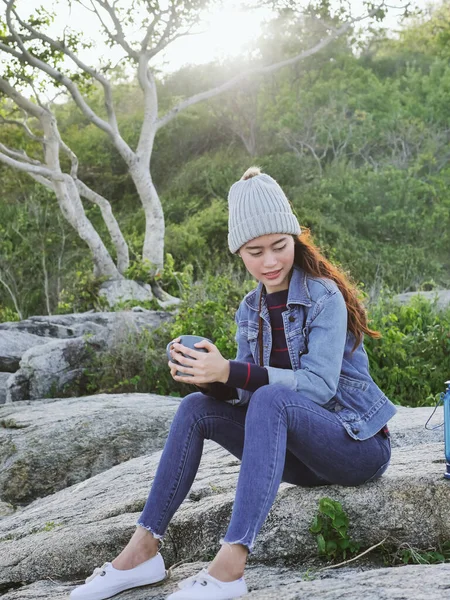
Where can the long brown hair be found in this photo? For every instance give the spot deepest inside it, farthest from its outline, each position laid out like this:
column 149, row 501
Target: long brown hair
column 308, row 256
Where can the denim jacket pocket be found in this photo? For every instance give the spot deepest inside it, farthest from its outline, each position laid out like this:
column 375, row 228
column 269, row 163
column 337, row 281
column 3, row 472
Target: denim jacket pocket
column 348, row 398
column 348, row 395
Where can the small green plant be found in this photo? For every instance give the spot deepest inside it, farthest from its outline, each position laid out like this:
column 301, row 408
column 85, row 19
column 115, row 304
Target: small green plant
column 407, row 554
column 330, row 526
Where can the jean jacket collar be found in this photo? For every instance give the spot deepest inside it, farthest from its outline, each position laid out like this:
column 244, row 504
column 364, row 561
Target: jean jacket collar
column 298, row 290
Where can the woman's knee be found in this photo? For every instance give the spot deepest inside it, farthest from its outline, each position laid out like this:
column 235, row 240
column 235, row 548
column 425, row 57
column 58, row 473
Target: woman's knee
column 273, row 399
column 194, row 403
column 270, row 395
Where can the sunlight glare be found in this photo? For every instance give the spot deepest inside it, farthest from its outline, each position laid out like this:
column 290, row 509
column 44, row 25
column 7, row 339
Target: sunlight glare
column 225, row 33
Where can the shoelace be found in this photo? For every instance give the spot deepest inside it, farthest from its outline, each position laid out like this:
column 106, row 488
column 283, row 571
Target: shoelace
column 98, row 571
column 203, row 578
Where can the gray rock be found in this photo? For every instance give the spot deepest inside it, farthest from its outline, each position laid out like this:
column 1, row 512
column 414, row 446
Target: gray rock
column 266, row 582
column 4, row 377
column 79, row 324
column 411, row 582
column 12, row 347
column 47, row 369
column 48, row 364
column 49, row 445
column 442, row 297
column 408, row 426
column 121, row 290
column 6, row 509
column 258, row 577
column 64, row 536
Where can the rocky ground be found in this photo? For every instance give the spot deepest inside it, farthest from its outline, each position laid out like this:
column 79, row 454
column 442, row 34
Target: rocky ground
column 50, row 543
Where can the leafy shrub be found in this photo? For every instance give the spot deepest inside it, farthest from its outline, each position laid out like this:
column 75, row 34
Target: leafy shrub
column 137, row 361
column 81, row 293
column 7, row 314
column 412, row 360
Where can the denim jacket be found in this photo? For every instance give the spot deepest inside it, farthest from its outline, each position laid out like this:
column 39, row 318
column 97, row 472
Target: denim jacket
column 319, row 344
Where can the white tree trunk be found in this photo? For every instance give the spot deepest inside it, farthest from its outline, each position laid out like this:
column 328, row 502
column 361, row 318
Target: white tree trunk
column 70, row 202
column 72, row 208
column 123, row 258
column 153, row 249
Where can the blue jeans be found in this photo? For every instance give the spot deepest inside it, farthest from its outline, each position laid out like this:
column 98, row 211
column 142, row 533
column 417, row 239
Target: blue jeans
column 281, row 435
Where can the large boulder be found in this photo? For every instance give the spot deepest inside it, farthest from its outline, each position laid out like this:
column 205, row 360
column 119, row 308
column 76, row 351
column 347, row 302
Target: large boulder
column 64, row 536
column 46, row 354
column 13, row 345
column 412, row 582
column 47, row 370
column 442, row 297
column 80, row 324
column 49, row 445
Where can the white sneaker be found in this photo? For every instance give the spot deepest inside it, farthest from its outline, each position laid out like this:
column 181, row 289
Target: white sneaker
column 106, row 581
column 204, row 586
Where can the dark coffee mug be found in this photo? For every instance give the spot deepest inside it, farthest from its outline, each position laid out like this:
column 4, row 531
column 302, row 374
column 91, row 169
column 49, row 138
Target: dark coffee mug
column 188, row 341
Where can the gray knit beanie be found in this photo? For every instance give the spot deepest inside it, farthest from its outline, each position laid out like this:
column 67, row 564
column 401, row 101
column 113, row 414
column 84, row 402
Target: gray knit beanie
column 257, row 206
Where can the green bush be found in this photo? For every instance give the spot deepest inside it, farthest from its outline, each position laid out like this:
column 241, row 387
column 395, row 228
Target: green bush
column 81, row 293
column 412, row 360
column 7, row 314
column 137, row 361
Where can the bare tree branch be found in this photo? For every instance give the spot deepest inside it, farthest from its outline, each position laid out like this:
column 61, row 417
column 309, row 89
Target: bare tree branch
column 23, row 125
column 59, row 77
column 19, row 155
column 119, row 36
column 32, row 167
column 80, row 64
column 73, row 159
column 260, row 70
column 12, row 295
column 123, row 260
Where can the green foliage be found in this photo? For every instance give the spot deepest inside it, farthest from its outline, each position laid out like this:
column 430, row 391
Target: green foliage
column 137, row 361
column 81, row 293
column 7, row 314
column 134, row 363
column 330, row 526
column 412, row 360
column 405, row 554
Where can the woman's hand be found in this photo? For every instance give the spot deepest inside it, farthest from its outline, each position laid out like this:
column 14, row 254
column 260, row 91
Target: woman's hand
column 204, row 367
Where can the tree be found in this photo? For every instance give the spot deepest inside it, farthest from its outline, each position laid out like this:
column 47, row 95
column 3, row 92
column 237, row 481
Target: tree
column 33, row 60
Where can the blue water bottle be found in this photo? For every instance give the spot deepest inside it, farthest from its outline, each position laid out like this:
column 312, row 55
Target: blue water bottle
column 447, row 429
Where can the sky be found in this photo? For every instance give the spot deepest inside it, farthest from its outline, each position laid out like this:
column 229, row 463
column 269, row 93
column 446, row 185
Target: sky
column 225, row 32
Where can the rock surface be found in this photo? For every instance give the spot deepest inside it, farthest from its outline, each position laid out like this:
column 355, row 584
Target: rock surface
column 47, row 445
column 51, row 444
column 4, row 377
column 412, row 582
column 442, row 297
column 48, row 369
column 121, row 290
column 64, row 536
column 13, row 345
column 79, row 324
column 48, row 353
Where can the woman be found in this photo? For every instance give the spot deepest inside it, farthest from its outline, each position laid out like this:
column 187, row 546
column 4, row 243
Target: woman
column 297, row 405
